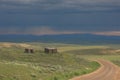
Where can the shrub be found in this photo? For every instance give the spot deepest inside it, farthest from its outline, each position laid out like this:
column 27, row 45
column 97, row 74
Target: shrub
column 76, row 73
column 56, row 78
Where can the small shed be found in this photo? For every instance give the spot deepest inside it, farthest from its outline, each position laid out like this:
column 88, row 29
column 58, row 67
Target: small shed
column 50, row 50
column 29, row 50
column 26, row 50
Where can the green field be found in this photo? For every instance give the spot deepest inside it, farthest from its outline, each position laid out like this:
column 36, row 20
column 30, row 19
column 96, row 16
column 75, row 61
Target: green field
column 71, row 60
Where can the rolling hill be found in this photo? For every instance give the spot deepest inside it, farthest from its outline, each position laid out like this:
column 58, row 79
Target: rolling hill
column 68, row 38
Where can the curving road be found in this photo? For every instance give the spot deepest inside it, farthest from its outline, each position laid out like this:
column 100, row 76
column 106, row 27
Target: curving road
column 107, row 71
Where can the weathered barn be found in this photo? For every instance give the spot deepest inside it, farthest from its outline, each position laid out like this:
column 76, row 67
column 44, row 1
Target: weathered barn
column 29, row 50
column 50, row 50
column 26, row 50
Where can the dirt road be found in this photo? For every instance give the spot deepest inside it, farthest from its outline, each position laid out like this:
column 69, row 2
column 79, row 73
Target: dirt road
column 107, row 71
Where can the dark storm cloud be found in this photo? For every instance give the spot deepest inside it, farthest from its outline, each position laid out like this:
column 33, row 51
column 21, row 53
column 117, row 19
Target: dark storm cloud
column 57, row 6
column 61, row 4
column 69, row 16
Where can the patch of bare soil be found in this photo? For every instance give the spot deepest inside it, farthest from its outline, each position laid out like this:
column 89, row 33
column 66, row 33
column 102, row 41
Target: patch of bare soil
column 118, row 75
column 24, row 45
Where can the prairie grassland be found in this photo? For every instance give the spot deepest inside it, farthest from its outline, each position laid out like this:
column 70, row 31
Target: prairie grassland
column 71, row 60
column 17, row 72
column 18, row 65
column 70, row 48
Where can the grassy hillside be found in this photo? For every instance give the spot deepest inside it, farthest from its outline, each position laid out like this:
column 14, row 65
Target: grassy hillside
column 17, row 65
column 109, row 52
column 84, row 39
column 71, row 60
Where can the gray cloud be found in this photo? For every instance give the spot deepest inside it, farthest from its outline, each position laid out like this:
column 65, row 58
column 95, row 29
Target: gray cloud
column 81, row 22
column 60, row 16
column 62, row 4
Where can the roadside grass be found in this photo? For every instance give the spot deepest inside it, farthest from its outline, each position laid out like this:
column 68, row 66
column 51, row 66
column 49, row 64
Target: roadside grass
column 66, row 75
column 113, row 58
column 111, row 53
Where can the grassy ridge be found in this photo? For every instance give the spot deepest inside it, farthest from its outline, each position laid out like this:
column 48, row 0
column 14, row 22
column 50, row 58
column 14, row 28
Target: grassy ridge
column 111, row 54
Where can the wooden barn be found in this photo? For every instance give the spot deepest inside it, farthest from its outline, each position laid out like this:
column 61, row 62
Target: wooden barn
column 50, row 50
column 28, row 50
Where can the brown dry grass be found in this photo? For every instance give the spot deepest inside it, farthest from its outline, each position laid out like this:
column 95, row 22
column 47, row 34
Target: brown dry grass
column 8, row 45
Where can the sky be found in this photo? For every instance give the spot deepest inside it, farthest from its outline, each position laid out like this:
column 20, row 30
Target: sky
column 48, row 17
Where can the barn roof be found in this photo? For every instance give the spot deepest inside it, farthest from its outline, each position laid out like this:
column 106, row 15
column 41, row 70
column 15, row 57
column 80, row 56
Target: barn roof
column 50, row 48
